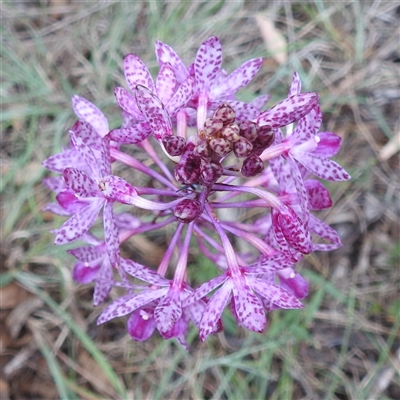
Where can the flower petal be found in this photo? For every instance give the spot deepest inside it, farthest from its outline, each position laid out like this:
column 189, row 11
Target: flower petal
column 79, row 223
column 132, row 134
column 154, row 112
column 88, row 112
column 318, row 195
column 295, row 86
column 141, row 324
column 80, row 183
column 166, row 83
column 165, row 54
column 328, row 145
column 111, row 234
column 182, row 96
column 207, row 64
column 127, row 102
column 143, row 273
column 168, row 310
column 288, row 110
column 115, row 188
column 136, row 73
column 69, row 158
column 104, row 283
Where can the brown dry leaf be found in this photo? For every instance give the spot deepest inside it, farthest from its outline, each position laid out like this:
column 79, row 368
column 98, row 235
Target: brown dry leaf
column 12, row 295
column 274, row 40
column 390, row 148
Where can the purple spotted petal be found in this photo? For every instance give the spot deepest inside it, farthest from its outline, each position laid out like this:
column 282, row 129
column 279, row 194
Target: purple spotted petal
column 127, row 102
column 79, row 223
column 182, row 96
column 127, row 304
column 244, row 111
column 294, row 284
column 248, row 308
column 272, row 263
column 275, row 294
column 168, row 311
column 143, row 273
column 115, row 188
column 104, row 163
column 80, row 183
column 165, row 54
column 260, row 101
column 214, row 310
column 295, row 86
column 87, row 133
column 166, row 83
column 136, row 73
column 69, row 158
column 56, row 209
column 87, row 155
column 88, row 112
column 326, row 232
column 318, row 195
column 207, row 64
column 288, row 110
column 132, row 134
column 207, row 287
column 154, row 112
column 104, row 283
column 55, row 183
column 88, row 253
column 308, row 126
column 111, row 234
column 321, row 167
column 328, row 145
column 239, row 78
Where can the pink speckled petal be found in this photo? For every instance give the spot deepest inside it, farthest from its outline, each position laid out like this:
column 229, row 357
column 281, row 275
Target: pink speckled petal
column 207, row 287
column 127, row 102
column 288, row 110
column 117, row 189
column 308, row 126
column 111, row 234
column 214, row 310
column 264, row 265
column 182, row 96
column 248, row 308
column 56, row 209
column 127, row 304
column 104, row 163
column 79, row 223
column 80, row 183
column 275, row 294
column 55, row 183
column 165, row 54
column 88, row 112
column 260, row 101
column 88, row 253
column 131, row 135
column 244, row 111
column 295, row 86
column 318, row 195
column 239, row 78
column 136, row 73
column 154, row 112
column 87, row 154
column 166, row 83
column 207, row 64
column 66, row 159
column 168, row 311
column 322, row 167
column 104, row 283
column 87, row 133
column 143, row 273
column 326, row 232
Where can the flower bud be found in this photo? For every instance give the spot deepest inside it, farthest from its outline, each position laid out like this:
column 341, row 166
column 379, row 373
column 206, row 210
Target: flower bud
column 252, row 166
column 231, row 133
column 212, row 126
column 210, row 173
column 225, row 113
column 221, row 146
column 174, row 145
column 242, row 148
column 188, row 210
column 187, row 170
column 203, row 150
column 248, row 130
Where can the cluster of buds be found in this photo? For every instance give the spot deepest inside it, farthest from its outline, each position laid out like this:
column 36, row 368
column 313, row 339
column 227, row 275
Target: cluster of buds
column 215, row 153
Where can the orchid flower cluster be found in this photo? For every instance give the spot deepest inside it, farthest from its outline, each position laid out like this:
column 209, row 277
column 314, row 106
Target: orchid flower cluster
column 205, row 153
